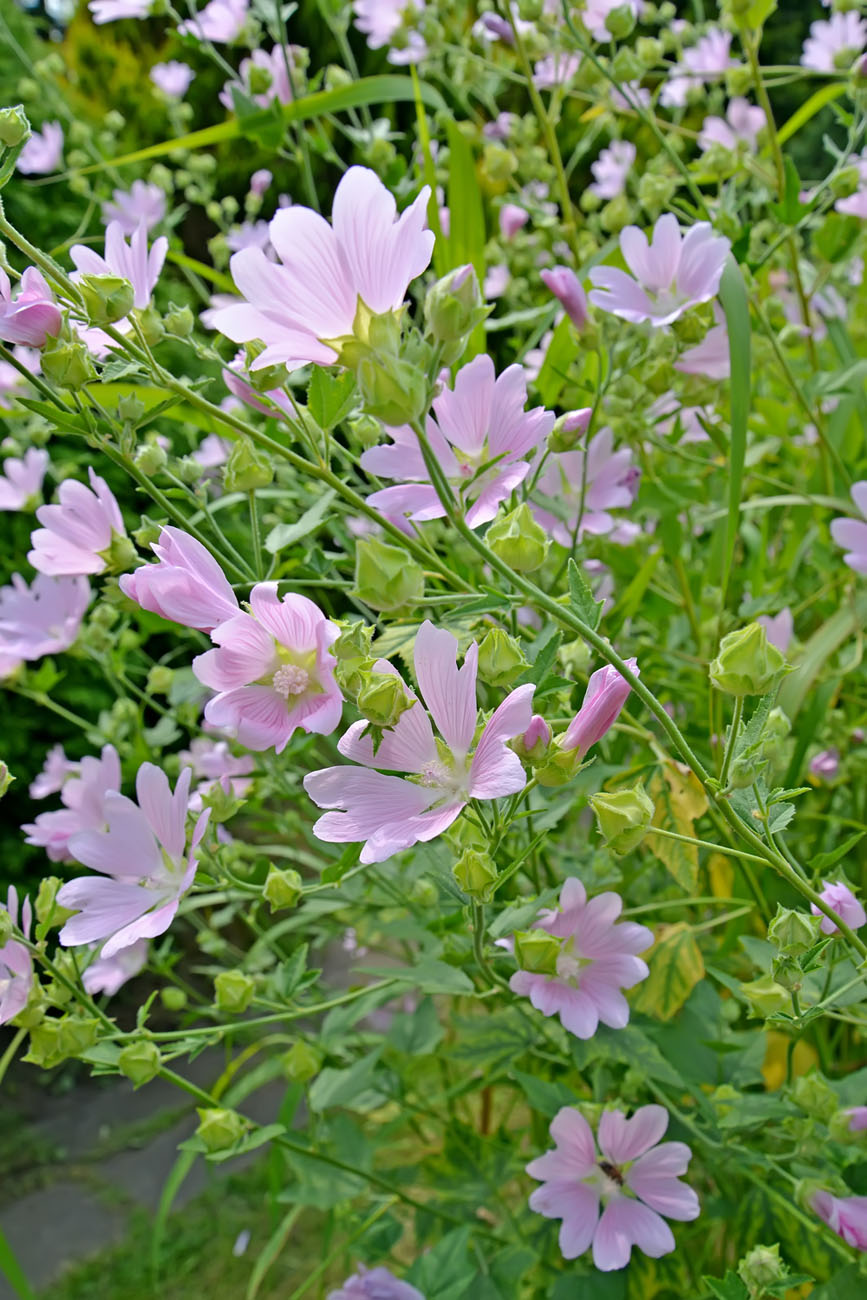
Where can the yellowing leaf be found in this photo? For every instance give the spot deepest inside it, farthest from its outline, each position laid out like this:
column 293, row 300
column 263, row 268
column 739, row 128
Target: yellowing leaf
column 721, row 874
column 676, row 966
column 679, row 800
column 804, row 1058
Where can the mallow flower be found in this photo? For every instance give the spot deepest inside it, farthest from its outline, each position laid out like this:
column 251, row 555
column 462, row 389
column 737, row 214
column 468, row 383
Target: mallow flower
column 83, row 533
column 835, row 43
column 577, row 973
column 172, row 78
column 779, row 628
column 479, row 433
column 220, row 21
column 30, row 316
column 606, row 694
column 707, row 60
column 595, row 13
column 55, row 772
column 82, row 796
column 390, row 24
column 131, row 261
column 712, row 356
column 845, row 1215
column 328, row 275
column 375, row 1284
column 634, row 1180
column 839, row 897
column 43, row 152
column 391, row 812
column 741, row 125
column 669, row 275
column 142, row 204
column 585, row 498
column 113, row 11
column 145, row 868
column 565, row 286
column 611, row 169
column 273, row 671
column 186, row 585
column 41, row 619
column 21, row 482
column 108, row 974
column 851, row 534
column 16, row 964
column 273, row 62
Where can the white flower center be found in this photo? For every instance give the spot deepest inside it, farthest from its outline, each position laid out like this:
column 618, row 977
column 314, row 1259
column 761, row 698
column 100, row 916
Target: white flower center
column 568, row 965
column 289, row 679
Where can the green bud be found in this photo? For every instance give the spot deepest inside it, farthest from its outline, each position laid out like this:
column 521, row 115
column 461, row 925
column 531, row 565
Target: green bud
column 140, row 1061
column 247, row 468
column 107, row 298
column 476, row 874
column 501, row 659
column 173, row 999
column 302, row 1062
column 787, row 972
column 151, row 325
column 655, row 191
column 747, row 663
column 620, row 22
column 499, row 163
column 385, row 576
column 840, row 1129
column 424, row 891
column 219, row 1128
column 67, row 365
column 14, row 127
column 393, row 390
column 537, row 951
column 130, row 409
column 149, row 530
column 5, row 927
column 626, row 64
column 354, row 641
column 559, row 768
column 352, row 674
column 188, row 470
column 623, row 817
column 59, row 1039
column 259, row 79
column 6, row 778
column 150, row 459
column 760, row 1268
column 649, row 51
column 738, row 80
column 46, row 908
column 160, row 679
column 282, row 888
column 574, row 657
column 518, row 540
column 179, row 321
column 365, row 429
column 814, row 1094
column 120, row 555
column 454, row 306
column 382, row 698
column 615, row 214
column 793, row 932
column 766, row 997
column 234, row 991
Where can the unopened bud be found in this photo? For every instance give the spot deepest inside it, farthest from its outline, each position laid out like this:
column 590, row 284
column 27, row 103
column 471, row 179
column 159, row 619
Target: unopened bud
column 766, row 997
column 620, row 22
column 533, row 746
column 476, row 874
column 385, row 576
column 814, row 1094
column 623, row 817
column 107, row 298
column 282, row 888
column 793, row 933
column 234, row 991
column 760, row 1268
column 501, row 659
column 173, row 999
column 302, row 1062
column 247, row 468
column 747, row 663
column 140, row 1062
column 518, row 540
column 354, row 641
column 537, row 951
column 47, row 910
column 6, row 778
column 569, row 430
column 220, row 1128
column 179, row 321
column 67, row 365
column 14, row 127
column 382, row 698
column 454, row 306
column 393, row 390
column 150, row 459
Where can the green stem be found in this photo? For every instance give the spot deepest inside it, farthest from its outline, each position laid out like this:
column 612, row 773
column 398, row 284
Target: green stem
column 257, row 541
column 732, row 741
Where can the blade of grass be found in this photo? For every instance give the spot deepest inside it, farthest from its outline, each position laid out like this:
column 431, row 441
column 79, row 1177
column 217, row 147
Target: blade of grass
column 735, row 304
column 12, row 1271
column 466, row 219
column 818, row 100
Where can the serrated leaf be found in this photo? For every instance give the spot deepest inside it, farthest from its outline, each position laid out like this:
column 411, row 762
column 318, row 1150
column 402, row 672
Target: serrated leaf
column 729, row 1287
column 544, row 1096
column 781, row 816
column 585, row 604
column 352, row 1087
column 418, row 1032
column 121, row 368
column 630, row 1047
column 680, row 800
column 446, row 1271
column 429, row 976
column 331, row 395
column 676, row 966
column 285, row 535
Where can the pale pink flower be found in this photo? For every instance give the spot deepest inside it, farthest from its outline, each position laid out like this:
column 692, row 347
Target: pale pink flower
column 390, row 23
column 238, row 386
column 555, row 69
column 779, row 628
column 82, row 797
column 606, row 694
column 173, row 78
column 636, row 1181
column 834, row 44
column 512, row 218
column 213, row 763
column 845, row 1215
column 22, row 479
column 108, row 974
column 843, row 903
column 43, row 152
column 56, row 770
column 11, row 379
column 142, row 204
column 42, row 619
column 251, row 234
column 825, row 764
column 611, row 169
column 273, row 671
column 565, row 286
column 78, row 532
column 390, row 813
column 851, row 534
column 220, row 21
column 705, row 61
column 857, row 1119
column 496, row 281
column 31, row 315
column 609, row 483
column 479, row 421
column 130, row 261
column 597, row 958
column 595, row 13
column 368, row 254
column 671, row 273
column 629, row 96
column 501, row 128
column 141, row 858
column 711, row 357
column 537, row 736
column 375, row 1284
column 112, row 11
column 213, row 451
column 186, row 586
column 740, row 126
column 273, row 62
column 260, row 181
column 16, row 964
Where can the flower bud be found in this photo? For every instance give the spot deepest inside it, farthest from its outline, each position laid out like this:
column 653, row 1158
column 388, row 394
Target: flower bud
column 234, row 991
column 173, row 999
column 140, row 1061
column 850, row 1125
column 247, row 468
column 179, row 322
column 59, row 1039
column 354, row 641
column 6, row 778
column 648, row 50
column 518, row 540
column 382, row 698
column 620, row 22
column 533, row 746
column 393, row 390
column 787, row 972
column 107, row 298
column 760, row 1268
column 747, row 663
column 766, row 997
column 623, row 817
column 501, row 659
column 476, row 874
column 385, row 576
column 725, row 1099
column 814, row 1094
column 537, row 951
column 559, row 767
column 150, row 459
column 47, row 910
column 119, row 555
column 425, row 892
column 160, row 678
column 149, row 530
column 302, row 1062
column 365, row 429
column 453, row 306
column 569, row 430
column 14, row 127
column 565, row 285
column 793, row 933
column 282, row 888
column 219, row 1128
column 67, row 365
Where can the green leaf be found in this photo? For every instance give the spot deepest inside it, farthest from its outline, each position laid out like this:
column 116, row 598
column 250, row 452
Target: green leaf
column 544, row 1096
column 429, row 976
column 285, row 535
column 446, row 1270
column 847, row 622
column 562, row 353
column 676, row 966
column 808, row 110
column 735, row 304
column 345, row 1087
column 680, row 800
column 586, row 606
column 416, row 1033
column 822, row 861
column 728, row 1288
column 12, row 1271
column 493, row 1041
column 466, row 218
column 630, row 1047
column 179, row 1170
column 790, row 209
column 337, row 870
column 331, row 395
column 271, row 1250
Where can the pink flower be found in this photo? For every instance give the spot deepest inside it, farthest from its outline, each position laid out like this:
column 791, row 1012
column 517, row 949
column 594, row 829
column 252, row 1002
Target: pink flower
column 779, row 628
column 79, row 532
column 112, row 11
column 479, row 421
column 238, row 386
column 825, row 764
column 375, row 1284
column 367, row 254
column 496, row 281
column 272, row 62
column 186, row 585
column 611, row 169
column 142, row 204
column 834, row 44
column 857, row 1118
column 842, row 901
column 846, row 1215
column 635, row 1181
column 741, row 125
column 610, row 483
column 214, row 763
column 16, row 964
column 555, row 70
column 42, row 619
column 512, row 219
column 596, row 12
column 671, row 274
column 389, row 23
column 56, row 770
column 629, row 96
column 501, row 128
column 260, row 181
column 565, row 285
column 108, row 974
column 851, row 534
column 711, row 357
column 43, row 152
column 273, row 671
column 144, row 872
column 22, row 481
column 390, row 813
column 220, row 21
column 11, row 378
column 82, row 797
column 131, row 261
column 606, row 694
column 706, row 61
column 596, row 959
column 32, row 315
column 211, row 452
column 172, row 78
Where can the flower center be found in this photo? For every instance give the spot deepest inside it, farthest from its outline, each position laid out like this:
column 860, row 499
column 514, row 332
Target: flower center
column 569, row 964
column 289, row 679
